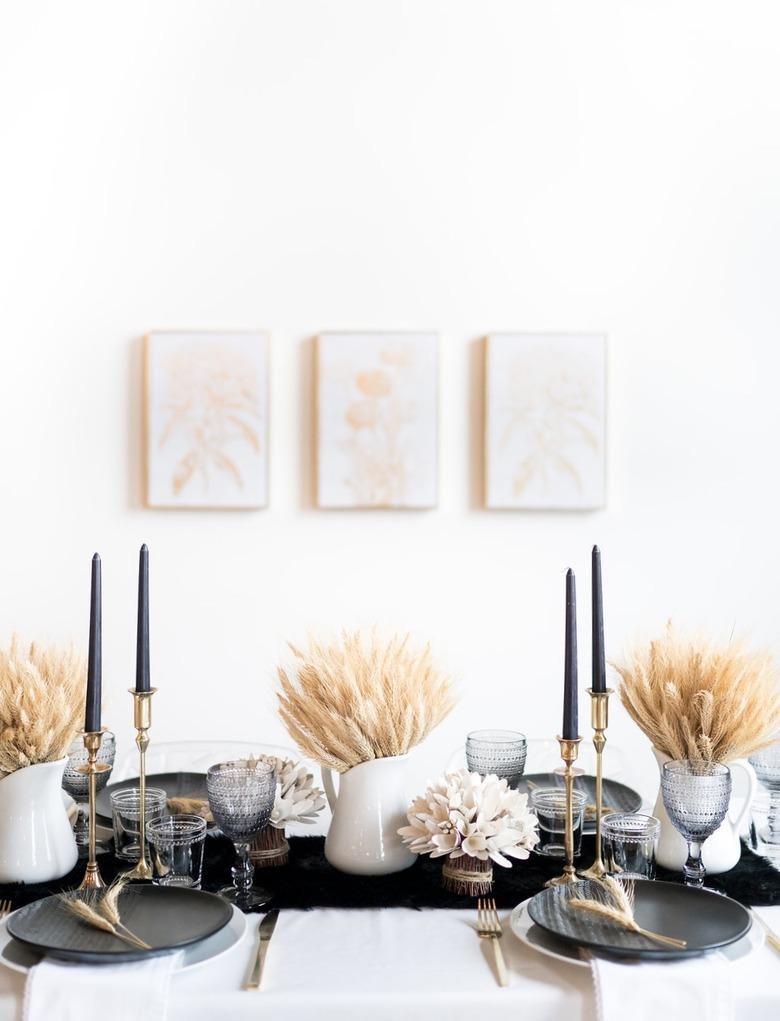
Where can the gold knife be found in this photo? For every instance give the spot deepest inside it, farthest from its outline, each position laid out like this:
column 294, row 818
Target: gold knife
column 265, row 931
column 771, row 937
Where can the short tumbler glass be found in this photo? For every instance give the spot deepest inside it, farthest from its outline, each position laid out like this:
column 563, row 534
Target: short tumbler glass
column 126, row 814
column 549, row 805
column 498, row 752
column 176, row 843
column 629, row 843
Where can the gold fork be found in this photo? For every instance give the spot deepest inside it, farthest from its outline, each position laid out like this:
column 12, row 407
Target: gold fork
column 489, row 927
column 5, row 908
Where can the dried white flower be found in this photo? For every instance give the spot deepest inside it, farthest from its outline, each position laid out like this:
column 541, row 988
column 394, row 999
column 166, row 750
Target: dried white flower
column 297, row 799
column 463, row 813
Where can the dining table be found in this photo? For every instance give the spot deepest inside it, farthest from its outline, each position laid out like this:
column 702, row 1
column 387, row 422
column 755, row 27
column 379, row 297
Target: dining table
column 332, row 963
column 383, row 964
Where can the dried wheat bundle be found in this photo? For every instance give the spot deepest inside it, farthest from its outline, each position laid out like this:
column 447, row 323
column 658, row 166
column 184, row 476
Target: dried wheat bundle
column 100, row 910
column 41, row 702
column 612, row 900
column 360, row 698
column 696, row 700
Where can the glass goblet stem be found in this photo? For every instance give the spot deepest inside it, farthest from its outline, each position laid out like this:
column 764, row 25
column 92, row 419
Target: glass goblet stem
column 773, row 818
column 81, row 827
column 694, row 870
column 243, row 872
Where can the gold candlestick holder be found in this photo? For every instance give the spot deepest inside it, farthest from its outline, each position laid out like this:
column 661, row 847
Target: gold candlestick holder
column 92, row 739
column 599, row 716
column 570, row 748
column 142, row 721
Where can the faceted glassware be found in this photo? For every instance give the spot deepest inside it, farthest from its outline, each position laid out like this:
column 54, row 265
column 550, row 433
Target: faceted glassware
column 498, row 752
column 629, row 844
column 126, row 815
column 696, row 795
column 176, row 843
column 77, row 784
column 767, row 766
column 549, row 805
column 241, row 796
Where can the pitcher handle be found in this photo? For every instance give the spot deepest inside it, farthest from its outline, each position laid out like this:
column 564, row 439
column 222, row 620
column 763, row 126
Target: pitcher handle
column 329, row 786
column 752, row 788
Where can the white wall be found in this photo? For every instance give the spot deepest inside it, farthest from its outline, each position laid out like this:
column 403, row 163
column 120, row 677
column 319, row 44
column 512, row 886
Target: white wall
column 410, row 165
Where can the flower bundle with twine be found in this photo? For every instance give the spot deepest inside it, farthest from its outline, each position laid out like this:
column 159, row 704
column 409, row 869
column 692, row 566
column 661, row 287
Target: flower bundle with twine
column 41, row 703
column 359, row 698
column 695, row 700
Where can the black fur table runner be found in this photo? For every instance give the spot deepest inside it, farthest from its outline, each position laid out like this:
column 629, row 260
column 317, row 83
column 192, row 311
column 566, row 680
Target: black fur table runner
column 310, row 882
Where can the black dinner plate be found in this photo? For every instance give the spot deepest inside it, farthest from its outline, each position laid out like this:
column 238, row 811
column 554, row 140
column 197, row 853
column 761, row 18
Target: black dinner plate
column 175, row 785
column 703, row 919
column 615, row 795
column 167, row 918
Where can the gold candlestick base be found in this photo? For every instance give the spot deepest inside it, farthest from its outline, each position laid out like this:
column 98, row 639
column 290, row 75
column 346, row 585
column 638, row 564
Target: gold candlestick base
column 142, row 721
column 569, row 750
column 92, row 739
column 599, row 716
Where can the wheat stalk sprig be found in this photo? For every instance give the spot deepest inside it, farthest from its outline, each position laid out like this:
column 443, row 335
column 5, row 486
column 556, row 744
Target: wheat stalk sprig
column 84, row 910
column 614, row 902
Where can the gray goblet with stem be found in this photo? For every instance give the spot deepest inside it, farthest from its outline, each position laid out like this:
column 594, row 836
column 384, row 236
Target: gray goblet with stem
column 77, row 785
column 696, row 795
column 241, row 797
column 767, row 766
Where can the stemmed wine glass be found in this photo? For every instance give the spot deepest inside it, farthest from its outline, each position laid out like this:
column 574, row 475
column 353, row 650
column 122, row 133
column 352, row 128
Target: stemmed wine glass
column 77, row 785
column 767, row 766
column 696, row 796
column 241, row 797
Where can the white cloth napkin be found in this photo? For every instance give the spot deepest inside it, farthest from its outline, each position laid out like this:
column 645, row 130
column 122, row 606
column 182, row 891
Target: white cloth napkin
column 699, row 987
column 121, row 992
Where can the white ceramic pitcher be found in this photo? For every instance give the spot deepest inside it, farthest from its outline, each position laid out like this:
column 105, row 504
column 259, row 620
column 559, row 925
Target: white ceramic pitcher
column 368, row 810
column 36, row 837
column 721, row 851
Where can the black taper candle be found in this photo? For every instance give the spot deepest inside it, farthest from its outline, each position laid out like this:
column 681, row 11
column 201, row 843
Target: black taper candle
column 570, row 721
column 95, row 661
column 142, row 679
column 599, row 664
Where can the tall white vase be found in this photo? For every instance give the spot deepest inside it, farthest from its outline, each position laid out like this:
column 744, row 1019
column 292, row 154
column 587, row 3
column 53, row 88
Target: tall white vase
column 36, row 837
column 721, row 851
column 368, row 809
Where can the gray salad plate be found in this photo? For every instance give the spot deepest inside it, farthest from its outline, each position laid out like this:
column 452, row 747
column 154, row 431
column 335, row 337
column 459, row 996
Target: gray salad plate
column 166, row 918
column 175, row 785
column 703, row 919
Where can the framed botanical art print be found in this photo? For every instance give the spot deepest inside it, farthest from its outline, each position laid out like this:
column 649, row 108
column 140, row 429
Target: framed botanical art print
column 207, row 420
column 545, row 421
column 377, row 420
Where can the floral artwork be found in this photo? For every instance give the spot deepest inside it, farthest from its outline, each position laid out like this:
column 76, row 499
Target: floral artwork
column 377, row 420
column 207, row 419
column 545, row 421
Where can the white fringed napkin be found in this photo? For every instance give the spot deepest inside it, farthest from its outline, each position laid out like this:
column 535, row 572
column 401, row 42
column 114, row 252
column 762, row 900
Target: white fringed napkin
column 699, row 987
column 124, row 992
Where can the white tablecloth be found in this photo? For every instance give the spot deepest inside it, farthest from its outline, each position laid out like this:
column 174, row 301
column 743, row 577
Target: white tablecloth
column 399, row 964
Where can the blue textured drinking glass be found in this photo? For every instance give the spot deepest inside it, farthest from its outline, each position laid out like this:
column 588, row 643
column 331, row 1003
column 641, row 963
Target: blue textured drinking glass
column 498, row 752
column 241, row 797
column 696, row 795
column 767, row 766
